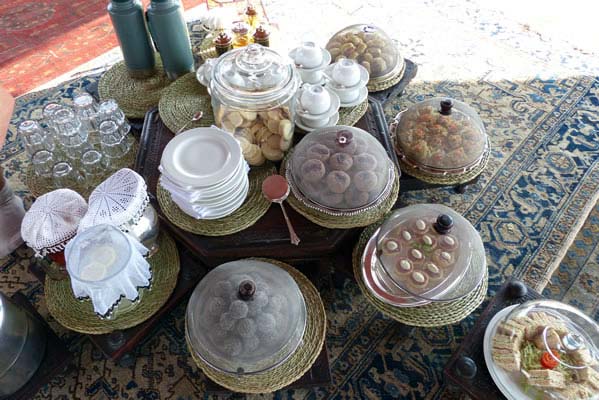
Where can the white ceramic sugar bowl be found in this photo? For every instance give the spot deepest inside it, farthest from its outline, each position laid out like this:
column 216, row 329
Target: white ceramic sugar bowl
column 310, row 61
column 348, row 80
column 317, row 106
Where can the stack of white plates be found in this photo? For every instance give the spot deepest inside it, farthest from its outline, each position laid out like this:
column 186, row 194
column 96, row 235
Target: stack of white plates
column 205, row 173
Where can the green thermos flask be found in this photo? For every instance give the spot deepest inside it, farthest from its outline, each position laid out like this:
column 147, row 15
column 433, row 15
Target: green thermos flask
column 169, row 31
column 127, row 17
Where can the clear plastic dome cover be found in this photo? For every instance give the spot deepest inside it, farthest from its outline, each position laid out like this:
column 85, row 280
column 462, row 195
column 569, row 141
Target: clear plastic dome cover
column 245, row 317
column 340, row 168
column 550, row 350
column 431, row 252
column 440, row 133
column 368, row 45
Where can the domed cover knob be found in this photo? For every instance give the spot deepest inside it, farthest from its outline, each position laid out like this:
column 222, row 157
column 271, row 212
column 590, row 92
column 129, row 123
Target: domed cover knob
column 247, row 289
column 466, row 367
column 344, row 137
column 446, row 106
column 444, row 224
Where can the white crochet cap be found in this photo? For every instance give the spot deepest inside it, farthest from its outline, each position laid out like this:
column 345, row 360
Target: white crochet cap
column 120, row 199
column 52, row 221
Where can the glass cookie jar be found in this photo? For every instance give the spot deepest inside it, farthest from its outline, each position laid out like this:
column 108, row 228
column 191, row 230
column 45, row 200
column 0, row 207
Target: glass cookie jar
column 340, row 170
column 430, row 252
column 245, row 317
column 253, row 91
column 544, row 349
column 372, row 48
column 441, row 141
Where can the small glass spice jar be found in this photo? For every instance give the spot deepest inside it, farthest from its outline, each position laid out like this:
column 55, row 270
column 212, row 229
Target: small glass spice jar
column 223, row 42
column 262, row 36
column 241, row 36
column 251, row 16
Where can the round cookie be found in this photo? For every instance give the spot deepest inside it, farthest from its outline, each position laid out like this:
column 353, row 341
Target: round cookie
column 331, row 199
column 365, row 162
column 391, row 246
column 338, row 181
column 313, row 170
column 404, row 266
column 420, row 227
column 448, row 242
column 416, row 256
column 355, row 198
column 418, row 279
column 361, row 145
column 365, row 180
column 341, row 161
column 443, row 259
column 429, row 241
column 434, row 272
column 319, row 152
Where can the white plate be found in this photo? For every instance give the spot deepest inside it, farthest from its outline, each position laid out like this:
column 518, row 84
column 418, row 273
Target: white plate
column 206, row 193
column 332, row 121
column 201, row 157
column 218, row 212
column 507, row 382
column 361, row 97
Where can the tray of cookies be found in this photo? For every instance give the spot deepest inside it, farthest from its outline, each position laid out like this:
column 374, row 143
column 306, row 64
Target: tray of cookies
column 340, row 170
column 427, row 252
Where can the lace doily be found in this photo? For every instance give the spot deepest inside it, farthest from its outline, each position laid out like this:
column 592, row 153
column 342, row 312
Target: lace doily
column 120, row 199
column 105, row 264
column 52, row 221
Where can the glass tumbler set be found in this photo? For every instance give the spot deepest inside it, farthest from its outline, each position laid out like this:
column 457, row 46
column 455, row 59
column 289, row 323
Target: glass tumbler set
column 77, row 145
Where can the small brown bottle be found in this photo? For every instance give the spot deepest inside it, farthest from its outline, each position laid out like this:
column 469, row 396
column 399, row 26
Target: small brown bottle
column 223, row 43
column 262, row 36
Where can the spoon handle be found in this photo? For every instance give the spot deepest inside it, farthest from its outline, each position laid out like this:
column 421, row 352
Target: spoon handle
column 292, row 235
column 183, row 127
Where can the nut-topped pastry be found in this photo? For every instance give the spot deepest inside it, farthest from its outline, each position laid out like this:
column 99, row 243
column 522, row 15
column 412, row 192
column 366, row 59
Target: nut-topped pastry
column 436, row 246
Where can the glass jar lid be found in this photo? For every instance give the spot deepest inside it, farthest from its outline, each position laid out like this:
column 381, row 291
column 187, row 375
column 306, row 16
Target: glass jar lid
column 245, row 317
column 553, row 349
column 340, row 168
column 431, row 252
column 370, row 46
column 441, row 135
column 252, row 76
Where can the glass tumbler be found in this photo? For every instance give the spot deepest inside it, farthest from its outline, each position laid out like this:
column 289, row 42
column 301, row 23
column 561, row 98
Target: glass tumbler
column 86, row 109
column 114, row 146
column 64, row 175
column 109, row 110
column 47, row 115
column 91, row 167
column 69, row 130
column 43, row 162
column 35, row 137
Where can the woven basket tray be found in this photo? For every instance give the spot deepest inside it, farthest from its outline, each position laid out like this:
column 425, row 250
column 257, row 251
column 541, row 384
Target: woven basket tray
column 429, row 315
column 79, row 315
column 297, row 364
column 254, row 207
column 39, row 185
column 134, row 96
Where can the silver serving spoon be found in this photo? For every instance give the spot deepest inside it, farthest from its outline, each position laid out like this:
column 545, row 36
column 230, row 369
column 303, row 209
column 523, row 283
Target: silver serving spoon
column 196, row 117
column 276, row 189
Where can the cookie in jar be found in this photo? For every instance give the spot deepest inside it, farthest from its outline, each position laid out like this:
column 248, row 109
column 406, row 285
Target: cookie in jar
column 253, row 93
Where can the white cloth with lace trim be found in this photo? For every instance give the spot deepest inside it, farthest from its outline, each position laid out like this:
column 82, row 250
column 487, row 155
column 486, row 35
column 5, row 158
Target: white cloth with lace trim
column 105, row 265
column 52, row 221
column 119, row 200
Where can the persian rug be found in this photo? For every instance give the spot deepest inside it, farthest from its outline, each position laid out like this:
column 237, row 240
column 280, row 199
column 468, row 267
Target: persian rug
column 576, row 281
column 40, row 40
column 540, row 184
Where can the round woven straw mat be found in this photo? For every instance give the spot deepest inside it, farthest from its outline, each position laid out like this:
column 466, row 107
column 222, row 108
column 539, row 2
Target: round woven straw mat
column 377, row 86
column 429, row 315
column 297, row 364
column 344, row 222
column 453, row 179
column 134, row 96
column 79, row 315
column 39, row 185
column 181, row 101
column 254, row 207
column 351, row 115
